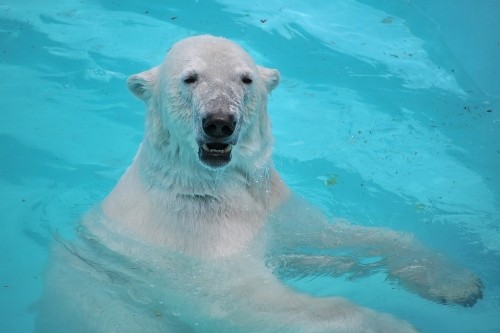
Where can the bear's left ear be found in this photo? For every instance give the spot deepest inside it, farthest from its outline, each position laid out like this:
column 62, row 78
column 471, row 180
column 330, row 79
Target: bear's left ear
column 271, row 77
column 141, row 84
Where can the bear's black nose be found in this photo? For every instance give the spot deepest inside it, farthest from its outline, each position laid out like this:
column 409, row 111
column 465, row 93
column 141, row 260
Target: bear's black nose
column 219, row 126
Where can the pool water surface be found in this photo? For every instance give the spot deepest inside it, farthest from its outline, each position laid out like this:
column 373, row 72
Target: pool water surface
column 387, row 114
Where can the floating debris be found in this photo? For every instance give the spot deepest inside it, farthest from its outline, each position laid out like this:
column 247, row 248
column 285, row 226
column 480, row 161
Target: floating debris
column 387, row 20
column 330, row 180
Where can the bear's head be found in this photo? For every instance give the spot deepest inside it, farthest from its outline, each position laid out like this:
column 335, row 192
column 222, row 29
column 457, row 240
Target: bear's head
column 207, row 102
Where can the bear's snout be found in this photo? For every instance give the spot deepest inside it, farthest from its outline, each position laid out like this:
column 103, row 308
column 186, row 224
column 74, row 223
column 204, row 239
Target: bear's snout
column 219, row 126
column 220, row 133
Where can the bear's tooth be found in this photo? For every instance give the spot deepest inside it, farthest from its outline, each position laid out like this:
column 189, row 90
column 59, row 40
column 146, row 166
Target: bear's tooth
column 227, row 149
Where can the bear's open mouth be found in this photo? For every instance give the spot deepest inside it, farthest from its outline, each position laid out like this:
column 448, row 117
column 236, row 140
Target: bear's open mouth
column 215, row 154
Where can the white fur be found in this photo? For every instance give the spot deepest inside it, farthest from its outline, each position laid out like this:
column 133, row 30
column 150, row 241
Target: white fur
column 179, row 246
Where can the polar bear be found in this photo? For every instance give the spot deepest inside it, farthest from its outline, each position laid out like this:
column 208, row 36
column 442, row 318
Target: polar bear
column 197, row 231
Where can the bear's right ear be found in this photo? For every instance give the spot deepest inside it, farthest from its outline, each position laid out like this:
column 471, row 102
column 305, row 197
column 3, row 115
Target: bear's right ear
column 142, row 84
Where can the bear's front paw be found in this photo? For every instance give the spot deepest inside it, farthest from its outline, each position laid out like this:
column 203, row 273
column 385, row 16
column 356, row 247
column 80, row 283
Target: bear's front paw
column 435, row 279
column 465, row 291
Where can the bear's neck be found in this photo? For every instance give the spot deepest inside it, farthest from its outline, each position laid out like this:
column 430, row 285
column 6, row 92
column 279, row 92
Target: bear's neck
column 169, row 170
column 192, row 209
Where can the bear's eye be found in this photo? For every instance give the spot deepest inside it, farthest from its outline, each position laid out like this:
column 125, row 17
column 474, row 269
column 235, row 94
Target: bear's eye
column 246, row 79
column 190, row 79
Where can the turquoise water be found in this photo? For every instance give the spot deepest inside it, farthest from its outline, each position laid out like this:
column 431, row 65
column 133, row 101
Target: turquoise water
column 388, row 114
